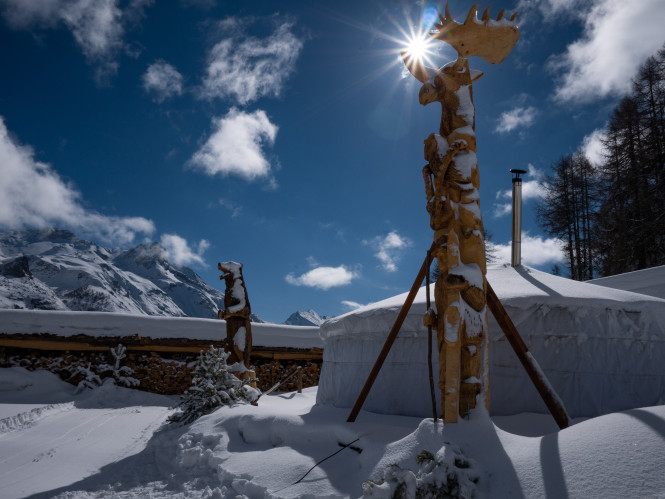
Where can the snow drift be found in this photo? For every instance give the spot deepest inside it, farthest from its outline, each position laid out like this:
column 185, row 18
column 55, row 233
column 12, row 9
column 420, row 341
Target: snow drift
column 601, row 348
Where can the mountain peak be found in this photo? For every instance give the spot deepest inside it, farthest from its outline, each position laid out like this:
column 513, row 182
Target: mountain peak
column 146, row 253
column 53, row 269
column 305, row 318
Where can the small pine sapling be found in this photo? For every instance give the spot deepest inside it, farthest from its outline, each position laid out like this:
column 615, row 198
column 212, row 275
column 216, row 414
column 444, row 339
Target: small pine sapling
column 212, row 386
column 121, row 374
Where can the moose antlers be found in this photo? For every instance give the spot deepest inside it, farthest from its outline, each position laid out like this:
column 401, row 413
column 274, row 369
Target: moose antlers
column 487, row 38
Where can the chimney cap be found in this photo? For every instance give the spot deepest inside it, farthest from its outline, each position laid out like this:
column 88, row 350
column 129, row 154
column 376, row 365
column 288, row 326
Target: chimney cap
column 517, row 173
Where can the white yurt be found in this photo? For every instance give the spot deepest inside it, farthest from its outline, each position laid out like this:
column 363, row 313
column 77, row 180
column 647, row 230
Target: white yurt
column 602, row 349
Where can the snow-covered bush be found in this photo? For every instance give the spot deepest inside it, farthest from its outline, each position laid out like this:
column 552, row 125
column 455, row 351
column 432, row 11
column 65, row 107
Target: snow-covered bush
column 121, row 374
column 212, row 386
column 90, row 378
column 448, row 474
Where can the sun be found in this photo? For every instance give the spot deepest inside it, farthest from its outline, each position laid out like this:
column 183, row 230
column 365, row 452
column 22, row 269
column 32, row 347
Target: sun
column 418, row 46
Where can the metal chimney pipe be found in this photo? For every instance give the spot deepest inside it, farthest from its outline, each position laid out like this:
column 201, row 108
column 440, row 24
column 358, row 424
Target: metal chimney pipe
column 516, row 256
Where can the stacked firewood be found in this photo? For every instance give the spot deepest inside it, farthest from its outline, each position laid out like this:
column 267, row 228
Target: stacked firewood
column 269, row 374
column 155, row 373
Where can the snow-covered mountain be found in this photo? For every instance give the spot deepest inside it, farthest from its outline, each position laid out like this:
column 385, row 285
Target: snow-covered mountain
column 54, row 270
column 306, row 318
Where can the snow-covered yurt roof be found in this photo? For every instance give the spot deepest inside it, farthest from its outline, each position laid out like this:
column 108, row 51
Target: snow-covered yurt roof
column 601, row 348
column 646, row 281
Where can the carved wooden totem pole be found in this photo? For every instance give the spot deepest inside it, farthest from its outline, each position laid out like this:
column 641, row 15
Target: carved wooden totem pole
column 451, row 185
column 236, row 314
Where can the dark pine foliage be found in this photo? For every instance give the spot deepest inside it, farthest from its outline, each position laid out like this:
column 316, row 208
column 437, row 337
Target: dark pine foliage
column 612, row 218
column 567, row 210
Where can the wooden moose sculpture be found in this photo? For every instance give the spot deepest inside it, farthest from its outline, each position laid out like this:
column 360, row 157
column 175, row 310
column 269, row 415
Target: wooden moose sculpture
column 236, row 313
column 451, row 185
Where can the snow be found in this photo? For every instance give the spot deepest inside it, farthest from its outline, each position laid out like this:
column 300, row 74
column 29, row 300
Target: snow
column 465, row 163
column 99, row 324
column 305, row 318
column 469, row 271
column 647, row 281
column 55, row 270
column 113, row 442
column 465, row 109
column 502, row 23
column 238, row 289
column 600, row 348
column 442, row 145
column 46, row 445
column 239, row 338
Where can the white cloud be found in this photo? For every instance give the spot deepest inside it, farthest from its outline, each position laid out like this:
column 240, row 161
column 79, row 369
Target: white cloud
column 519, row 117
column 247, row 68
column 389, row 249
column 163, row 80
column 180, row 252
column 32, row 194
column 502, row 209
column 352, row 305
column 593, row 148
column 96, row 25
column 534, row 188
column 536, row 250
column 618, row 36
column 323, row 277
column 231, row 206
column 236, row 145
column 549, row 9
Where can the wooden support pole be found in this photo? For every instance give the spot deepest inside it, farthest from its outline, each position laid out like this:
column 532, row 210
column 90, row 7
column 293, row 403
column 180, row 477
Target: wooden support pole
column 429, row 339
column 389, row 341
column 549, row 396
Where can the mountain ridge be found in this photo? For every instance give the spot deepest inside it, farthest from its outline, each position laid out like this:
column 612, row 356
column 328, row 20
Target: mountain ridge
column 53, row 269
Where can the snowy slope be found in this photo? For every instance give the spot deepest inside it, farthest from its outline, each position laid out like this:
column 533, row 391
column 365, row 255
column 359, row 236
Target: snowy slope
column 306, row 318
column 55, row 270
column 110, row 443
column 647, row 281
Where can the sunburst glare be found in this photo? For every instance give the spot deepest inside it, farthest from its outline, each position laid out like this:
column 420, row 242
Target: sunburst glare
column 418, row 47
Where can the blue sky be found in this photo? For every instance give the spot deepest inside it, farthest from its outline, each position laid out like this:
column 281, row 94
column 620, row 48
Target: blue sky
column 285, row 135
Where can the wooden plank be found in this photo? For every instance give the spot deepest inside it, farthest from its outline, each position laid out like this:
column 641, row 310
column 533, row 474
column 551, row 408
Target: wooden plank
column 54, row 343
column 50, row 345
column 389, row 341
column 287, row 355
column 551, row 399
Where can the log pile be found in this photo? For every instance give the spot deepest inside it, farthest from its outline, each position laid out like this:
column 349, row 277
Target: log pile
column 269, row 374
column 167, row 374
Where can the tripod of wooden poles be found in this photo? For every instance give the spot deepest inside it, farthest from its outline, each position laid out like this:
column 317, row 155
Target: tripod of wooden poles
column 549, row 396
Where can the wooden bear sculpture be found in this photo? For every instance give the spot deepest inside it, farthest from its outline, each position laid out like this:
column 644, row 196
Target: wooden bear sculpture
column 236, row 314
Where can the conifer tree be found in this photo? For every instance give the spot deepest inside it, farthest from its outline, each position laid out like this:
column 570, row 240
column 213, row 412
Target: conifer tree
column 566, row 212
column 212, row 386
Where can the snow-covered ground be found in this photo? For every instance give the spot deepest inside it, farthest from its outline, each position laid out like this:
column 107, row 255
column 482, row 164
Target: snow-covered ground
column 113, row 442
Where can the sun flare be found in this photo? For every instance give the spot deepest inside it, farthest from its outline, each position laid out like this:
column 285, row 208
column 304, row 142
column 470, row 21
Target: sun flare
column 418, row 46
